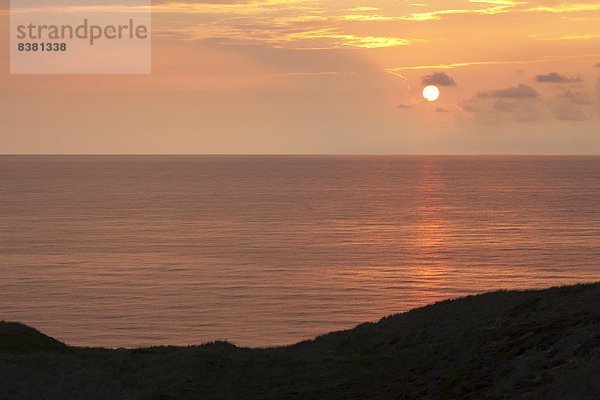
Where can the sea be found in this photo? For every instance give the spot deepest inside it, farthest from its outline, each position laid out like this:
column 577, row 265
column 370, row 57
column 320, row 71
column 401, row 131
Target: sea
column 129, row 251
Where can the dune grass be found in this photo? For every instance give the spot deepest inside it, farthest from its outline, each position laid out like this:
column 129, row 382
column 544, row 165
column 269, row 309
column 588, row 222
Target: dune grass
column 500, row 345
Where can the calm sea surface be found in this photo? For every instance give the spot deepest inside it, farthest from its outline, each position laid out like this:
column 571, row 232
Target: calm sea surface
column 130, row 251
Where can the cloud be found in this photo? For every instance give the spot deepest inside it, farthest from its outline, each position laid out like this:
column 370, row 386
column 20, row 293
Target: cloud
column 520, row 103
column 573, row 36
column 518, row 92
column 571, row 106
column 281, row 24
column 580, row 98
column 441, row 110
column 465, row 64
column 502, row 105
column 523, row 103
column 597, row 65
column 332, row 25
column 564, row 8
column 403, row 106
column 554, row 77
column 439, row 79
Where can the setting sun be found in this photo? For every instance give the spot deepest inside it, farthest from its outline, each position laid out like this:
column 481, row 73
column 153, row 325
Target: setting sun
column 431, row 93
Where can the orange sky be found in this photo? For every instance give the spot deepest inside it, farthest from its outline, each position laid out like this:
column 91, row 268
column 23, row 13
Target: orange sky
column 297, row 76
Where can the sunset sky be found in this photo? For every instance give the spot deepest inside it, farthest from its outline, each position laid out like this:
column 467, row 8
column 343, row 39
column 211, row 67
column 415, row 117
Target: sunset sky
column 298, row 76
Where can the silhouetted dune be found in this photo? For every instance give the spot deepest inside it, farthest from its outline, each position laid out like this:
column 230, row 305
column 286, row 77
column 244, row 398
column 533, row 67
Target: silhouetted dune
column 20, row 339
column 518, row 345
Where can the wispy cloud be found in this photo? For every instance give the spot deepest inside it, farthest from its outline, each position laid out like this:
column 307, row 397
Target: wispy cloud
column 398, row 70
column 572, row 36
column 334, row 25
column 564, row 8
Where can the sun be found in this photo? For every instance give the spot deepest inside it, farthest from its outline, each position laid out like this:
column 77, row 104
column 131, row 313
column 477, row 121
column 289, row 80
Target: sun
column 431, row 93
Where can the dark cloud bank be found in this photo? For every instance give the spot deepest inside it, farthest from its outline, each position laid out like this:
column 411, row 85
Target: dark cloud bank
column 524, row 103
column 438, row 79
column 554, row 77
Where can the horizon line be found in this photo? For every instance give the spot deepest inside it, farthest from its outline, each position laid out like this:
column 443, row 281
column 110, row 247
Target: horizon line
column 308, row 154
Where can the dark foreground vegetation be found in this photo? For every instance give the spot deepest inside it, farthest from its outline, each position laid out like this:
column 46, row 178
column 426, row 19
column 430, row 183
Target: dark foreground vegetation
column 501, row 345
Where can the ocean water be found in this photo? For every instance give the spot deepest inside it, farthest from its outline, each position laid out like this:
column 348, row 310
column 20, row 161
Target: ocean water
column 265, row 250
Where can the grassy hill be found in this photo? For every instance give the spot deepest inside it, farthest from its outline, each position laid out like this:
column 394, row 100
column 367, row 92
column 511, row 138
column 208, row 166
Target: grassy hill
column 501, row 345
